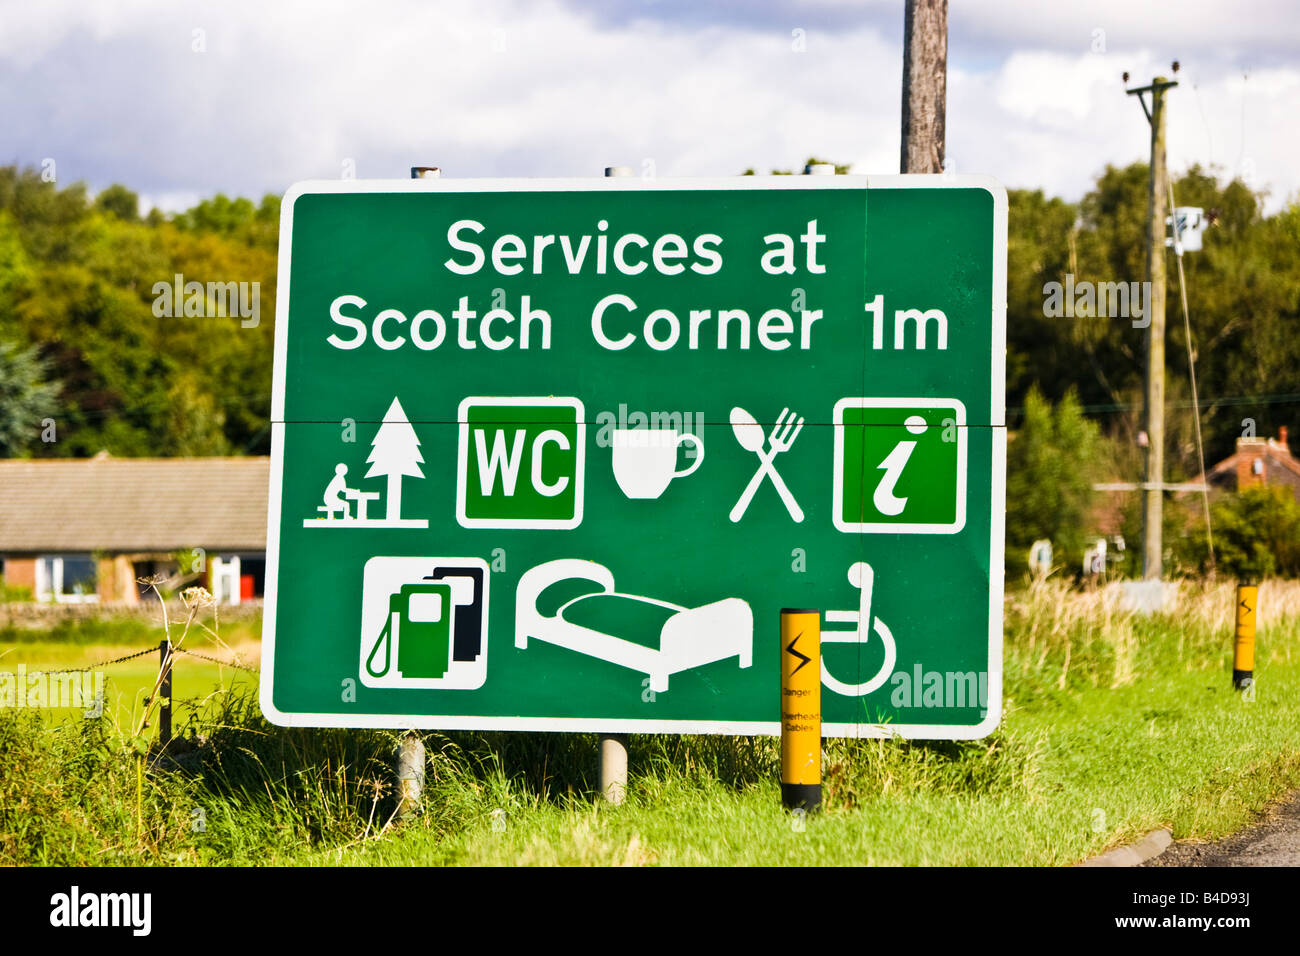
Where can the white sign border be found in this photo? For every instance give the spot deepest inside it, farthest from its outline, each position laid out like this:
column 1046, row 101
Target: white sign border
column 997, row 414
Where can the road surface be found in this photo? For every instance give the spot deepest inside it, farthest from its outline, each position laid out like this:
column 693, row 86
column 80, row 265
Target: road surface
column 1273, row 842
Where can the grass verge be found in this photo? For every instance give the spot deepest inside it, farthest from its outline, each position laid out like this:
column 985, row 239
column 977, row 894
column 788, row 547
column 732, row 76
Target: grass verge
column 1114, row 725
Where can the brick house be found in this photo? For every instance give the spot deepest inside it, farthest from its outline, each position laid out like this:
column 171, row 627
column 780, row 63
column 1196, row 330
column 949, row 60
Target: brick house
column 1258, row 461
column 78, row 531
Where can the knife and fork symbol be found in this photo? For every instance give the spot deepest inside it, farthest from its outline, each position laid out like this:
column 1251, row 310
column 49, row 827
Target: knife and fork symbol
column 749, row 433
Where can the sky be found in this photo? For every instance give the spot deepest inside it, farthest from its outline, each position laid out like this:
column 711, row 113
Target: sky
column 180, row 100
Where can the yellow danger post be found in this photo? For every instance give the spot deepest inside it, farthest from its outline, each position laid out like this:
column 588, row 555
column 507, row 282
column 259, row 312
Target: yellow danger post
column 801, row 709
column 1243, row 656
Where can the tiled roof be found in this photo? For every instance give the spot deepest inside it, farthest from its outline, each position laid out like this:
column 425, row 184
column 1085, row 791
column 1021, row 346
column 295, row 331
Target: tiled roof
column 133, row 504
column 1280, row 465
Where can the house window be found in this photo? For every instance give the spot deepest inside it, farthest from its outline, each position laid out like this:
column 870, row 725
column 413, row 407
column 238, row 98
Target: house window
column 66, row 578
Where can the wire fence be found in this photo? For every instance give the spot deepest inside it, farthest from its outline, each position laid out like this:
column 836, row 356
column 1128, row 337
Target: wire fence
column 116, row 660
column 152, row 649
column 162, row 687
column 213, row 660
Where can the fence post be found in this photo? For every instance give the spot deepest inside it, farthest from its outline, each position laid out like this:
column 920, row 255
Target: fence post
column 165, row 692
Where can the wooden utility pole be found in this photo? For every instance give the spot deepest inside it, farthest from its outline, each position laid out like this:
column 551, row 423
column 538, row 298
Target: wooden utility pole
column 1153, row 485
column 925, row 84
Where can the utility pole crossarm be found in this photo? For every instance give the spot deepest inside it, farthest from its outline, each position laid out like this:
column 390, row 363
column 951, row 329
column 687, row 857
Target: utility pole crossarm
column 1156, row 88
column 1157, row 85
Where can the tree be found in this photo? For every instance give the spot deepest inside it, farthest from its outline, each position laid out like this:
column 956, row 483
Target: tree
column 1052, row 462
column 396, row 452
column 77, row 279
column 194, row 422
column 26, row 399
column 120, row 202
column 811, row 161
column 1244, row 303
column 1256, row 535
column 237, row 219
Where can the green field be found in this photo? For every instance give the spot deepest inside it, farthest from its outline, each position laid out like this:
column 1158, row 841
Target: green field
column 1115, row 725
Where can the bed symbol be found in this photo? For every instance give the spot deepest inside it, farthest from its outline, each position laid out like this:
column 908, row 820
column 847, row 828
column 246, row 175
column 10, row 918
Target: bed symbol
column 554, row 599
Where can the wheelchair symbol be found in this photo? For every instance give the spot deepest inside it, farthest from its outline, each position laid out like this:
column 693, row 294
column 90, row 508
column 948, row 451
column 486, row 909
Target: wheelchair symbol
column 862, row 577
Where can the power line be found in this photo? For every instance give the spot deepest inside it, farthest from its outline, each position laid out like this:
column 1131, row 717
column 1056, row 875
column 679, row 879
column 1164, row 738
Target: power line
column 1191, row 366
column 1284, row 398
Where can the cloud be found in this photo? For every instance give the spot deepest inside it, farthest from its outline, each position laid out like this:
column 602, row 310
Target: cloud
column 1058, row 119
column 246, row 97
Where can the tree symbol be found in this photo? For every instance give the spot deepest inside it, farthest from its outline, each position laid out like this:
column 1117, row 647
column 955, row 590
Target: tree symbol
column 395, row 453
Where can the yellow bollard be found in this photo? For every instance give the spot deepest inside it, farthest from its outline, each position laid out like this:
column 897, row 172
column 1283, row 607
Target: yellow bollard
column 801, row 709
column 1243, row 656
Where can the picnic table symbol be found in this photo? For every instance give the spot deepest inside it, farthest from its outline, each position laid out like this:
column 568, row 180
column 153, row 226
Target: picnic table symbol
column 395, row 454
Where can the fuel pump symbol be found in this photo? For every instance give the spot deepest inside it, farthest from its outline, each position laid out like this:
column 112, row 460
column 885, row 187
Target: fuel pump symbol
column 419, row 623
column 424, row 623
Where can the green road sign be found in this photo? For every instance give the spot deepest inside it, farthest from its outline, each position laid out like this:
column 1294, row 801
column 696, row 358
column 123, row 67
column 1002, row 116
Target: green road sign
column 553, row 454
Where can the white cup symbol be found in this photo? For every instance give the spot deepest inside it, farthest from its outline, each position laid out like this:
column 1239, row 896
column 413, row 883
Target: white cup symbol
column 645, row 459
